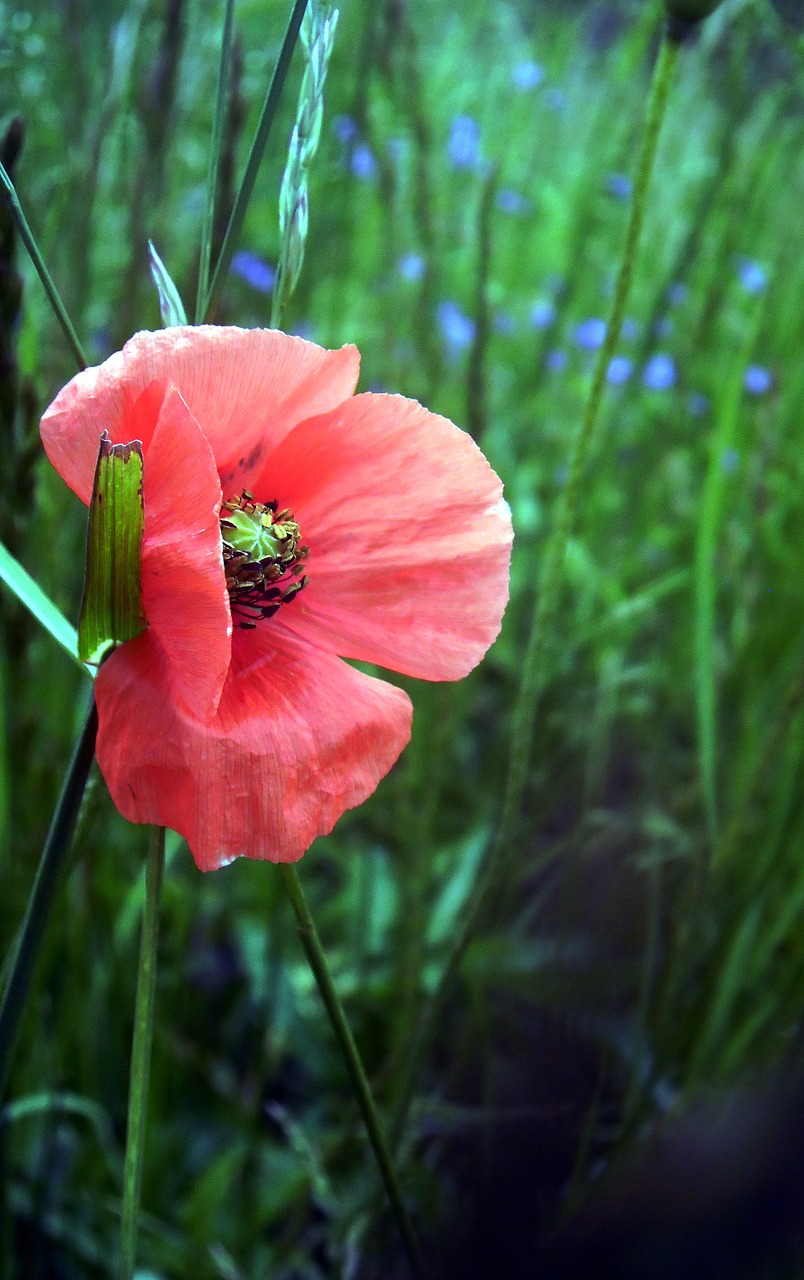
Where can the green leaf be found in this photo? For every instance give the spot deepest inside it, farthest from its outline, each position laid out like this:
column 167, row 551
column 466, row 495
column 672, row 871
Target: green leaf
column 41, row 606
column 111, row 609
column 170, row 304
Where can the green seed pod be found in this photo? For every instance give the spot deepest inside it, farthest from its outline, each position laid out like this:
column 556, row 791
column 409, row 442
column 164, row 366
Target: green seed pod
column 684, row 16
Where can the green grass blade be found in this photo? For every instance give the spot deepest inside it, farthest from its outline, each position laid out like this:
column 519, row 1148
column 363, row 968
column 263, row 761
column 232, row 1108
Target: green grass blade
column 221, row 92
column 171, row 307
column 27, row 237
column 41, row 606
column 705, row 580
column 48, row 877
column 266, row 120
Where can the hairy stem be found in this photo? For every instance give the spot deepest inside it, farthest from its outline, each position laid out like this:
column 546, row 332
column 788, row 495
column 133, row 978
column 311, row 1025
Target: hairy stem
column 318, row 964
column 141, row 1055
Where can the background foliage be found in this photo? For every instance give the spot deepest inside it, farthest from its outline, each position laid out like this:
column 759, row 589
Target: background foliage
column 631, row 1006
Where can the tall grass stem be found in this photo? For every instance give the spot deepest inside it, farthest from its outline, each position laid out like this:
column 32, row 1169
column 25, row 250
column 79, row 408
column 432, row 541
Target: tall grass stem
column 548, row 595
column 48, row 875
column 317, row 37
column 221, row 94
column 318, row 964
column 141, row 1055
column 261, row 135
column 28, row 239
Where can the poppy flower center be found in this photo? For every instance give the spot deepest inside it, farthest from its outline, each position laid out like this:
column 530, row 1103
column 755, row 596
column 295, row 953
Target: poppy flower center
column 262, row 555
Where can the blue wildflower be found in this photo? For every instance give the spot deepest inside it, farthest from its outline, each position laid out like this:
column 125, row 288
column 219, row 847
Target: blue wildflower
column 555, row 99
column 344, row 128
column 542, row 314
column 556, row 360
column 753, row 277
column 590, row 334
column 677, row 293
column 619, row 185
column 411, row 266
column 757, row 380
column 619, row 370
column 510, row 201
column 659, row 373
column 457, row 329
column 363, row 164
column 730, row 460
column 463, row 147
column 254, row 270
column 698, row 404
column 504, row 323
column 527, row 75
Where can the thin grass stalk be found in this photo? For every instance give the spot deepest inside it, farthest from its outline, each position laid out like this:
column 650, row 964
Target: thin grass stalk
column 141, row 1055
column 28, row 239
column 48, row 876
column 770, row 749
column 320, row 969
column 261, row 136
column 705, row 581
column 221, row 95
column 317, row 37
column 548, row 596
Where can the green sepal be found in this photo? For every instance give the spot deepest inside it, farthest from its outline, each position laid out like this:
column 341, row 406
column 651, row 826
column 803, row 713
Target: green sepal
column 111, row 608
column 171, row 307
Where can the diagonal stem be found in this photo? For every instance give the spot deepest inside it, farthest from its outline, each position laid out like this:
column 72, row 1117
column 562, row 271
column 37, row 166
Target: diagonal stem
column 27, row 237
column 318, row 964
column 548, row 597
column 141, row 1055
column 224, row 67
column 46, row 882
column 255, row 155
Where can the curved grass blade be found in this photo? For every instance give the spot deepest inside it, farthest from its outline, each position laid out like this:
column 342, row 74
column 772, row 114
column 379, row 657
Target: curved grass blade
column 41, row 606
column 171, row 307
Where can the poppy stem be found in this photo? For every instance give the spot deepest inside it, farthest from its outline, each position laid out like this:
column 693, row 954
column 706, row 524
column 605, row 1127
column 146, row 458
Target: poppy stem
column 48, row 875
column 549, row 595
column 28, row 239
column 141, row 1055
column 318, row 964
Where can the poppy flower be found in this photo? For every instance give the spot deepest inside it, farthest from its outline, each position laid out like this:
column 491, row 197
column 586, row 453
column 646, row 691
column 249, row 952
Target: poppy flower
column 289, row 524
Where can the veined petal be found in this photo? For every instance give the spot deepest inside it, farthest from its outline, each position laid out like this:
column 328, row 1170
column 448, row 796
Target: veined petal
column 409, row 536
column 245, row 387
column 183, row 583
column 298, row 738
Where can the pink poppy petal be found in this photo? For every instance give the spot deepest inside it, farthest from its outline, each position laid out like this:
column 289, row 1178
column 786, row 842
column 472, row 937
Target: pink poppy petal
column 409, row 536
column 183, row 584
column 246, row 388
column 298, row 738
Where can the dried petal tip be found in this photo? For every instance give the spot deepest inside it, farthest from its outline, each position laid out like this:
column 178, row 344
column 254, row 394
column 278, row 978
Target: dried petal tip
column 685, row 16
column 111, row 608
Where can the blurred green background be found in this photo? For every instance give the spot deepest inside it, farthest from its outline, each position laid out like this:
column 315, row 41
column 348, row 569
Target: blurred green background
column 616, row 1085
